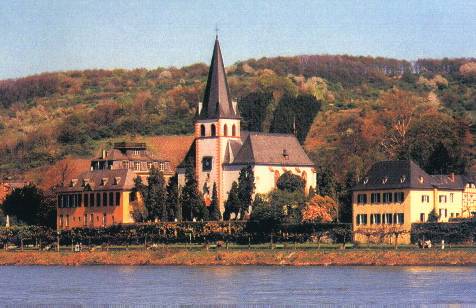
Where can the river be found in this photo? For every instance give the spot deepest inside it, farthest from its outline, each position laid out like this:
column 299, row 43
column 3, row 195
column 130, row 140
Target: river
column 88, row 285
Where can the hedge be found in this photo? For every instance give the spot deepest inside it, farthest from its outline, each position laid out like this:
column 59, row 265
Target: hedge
column 450, row 232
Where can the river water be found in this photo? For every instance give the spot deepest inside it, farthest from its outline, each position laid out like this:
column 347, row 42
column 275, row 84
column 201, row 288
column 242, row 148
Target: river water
column 88, row 285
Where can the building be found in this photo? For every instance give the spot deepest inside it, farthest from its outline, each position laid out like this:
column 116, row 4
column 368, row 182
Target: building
column 102, row 196
column 396, row 194
column 221, row 149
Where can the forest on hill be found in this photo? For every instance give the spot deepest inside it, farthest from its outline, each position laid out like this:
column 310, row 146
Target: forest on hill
column 349, row 111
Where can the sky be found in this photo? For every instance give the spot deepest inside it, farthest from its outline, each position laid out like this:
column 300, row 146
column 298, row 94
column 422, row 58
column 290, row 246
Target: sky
column 43, row 36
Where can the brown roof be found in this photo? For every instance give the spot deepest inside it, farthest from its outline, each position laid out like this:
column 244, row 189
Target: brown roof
column 216, row 101
column 171, row 148
column 115, row 154
column 270, row 149
column 95, row 180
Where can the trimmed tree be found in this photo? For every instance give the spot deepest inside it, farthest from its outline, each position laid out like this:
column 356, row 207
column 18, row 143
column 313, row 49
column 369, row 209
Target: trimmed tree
column 155, row 200
column 246, row 188
column 191, row 200
column 173, row 202
column 214, row 211
column 290, row 182
column 233, row 204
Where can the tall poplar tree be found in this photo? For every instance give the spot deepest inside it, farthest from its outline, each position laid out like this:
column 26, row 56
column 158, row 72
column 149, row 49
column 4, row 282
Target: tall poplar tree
column 191, row 200
column 173, row 202
column 214, row 210
column 246, row 188
column 155, row 199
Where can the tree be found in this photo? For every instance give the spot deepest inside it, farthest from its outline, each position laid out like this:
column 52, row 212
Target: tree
column 214, row 210
column 191, row 200
column 290, row 203
column 433, row 216
column 232, row 204
column 31, row 205
column 155, row 197
column 138, row 194
column 173, row 202
column 290, row 182
column 246, row 188
column 320, row 209
column 326, row 182
column 438, row 160
column 269, row 216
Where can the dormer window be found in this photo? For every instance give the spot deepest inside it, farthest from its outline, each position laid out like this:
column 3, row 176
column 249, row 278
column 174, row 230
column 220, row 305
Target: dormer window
column 384, row 180
column 366, row 180
column 103, row 181
column 403, row 178
column 420, row 179
column 85, row 182
column 117, row 180
column 149, row 165
column 285, row 154
column 135, row 152
column 73, row 182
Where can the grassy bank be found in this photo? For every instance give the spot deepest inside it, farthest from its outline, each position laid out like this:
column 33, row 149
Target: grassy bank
column 260, row 257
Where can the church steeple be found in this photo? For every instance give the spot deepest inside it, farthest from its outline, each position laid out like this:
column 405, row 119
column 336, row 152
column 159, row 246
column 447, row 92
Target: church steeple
column 216, row 101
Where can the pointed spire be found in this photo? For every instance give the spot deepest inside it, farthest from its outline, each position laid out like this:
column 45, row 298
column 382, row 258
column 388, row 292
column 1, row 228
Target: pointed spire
column 216, row 101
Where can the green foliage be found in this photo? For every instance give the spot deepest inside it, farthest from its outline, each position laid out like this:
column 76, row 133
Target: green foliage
column 173, row 204
column 155, row 198
column 191, row 200
column 246, row 188
column 214, row 210
column 290, row 182
column 31, row 205
column 452, row 232
column 253, row 110
column 233, row 203
column 297, row 111
column 326, row 182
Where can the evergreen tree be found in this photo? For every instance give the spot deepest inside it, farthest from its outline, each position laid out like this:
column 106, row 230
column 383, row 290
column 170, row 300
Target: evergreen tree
column 246, row 188
column 155, row 199
column 191, row 200
column 214, row 211
column 290, row 182
column 173, row 205
column 326, row 183
column 233, row 204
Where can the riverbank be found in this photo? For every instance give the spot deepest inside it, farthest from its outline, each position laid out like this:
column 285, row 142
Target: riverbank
column 261, row 257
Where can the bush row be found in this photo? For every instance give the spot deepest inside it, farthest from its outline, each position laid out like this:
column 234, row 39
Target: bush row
column 450, row 232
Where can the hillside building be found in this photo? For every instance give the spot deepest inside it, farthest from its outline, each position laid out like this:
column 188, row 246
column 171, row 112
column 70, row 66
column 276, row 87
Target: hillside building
column 221, row 149
column 396, row 194
column 102, row 196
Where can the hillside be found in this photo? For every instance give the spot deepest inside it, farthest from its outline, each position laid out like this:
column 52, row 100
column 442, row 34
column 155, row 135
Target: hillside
column 349, row 111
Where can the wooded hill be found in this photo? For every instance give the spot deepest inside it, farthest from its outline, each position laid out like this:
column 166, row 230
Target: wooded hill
column 349, row 111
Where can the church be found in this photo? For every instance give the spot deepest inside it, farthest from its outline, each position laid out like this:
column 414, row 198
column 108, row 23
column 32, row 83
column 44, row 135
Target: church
column 221, row 149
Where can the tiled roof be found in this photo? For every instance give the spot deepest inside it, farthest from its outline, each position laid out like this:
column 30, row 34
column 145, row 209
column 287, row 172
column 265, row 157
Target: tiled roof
column 116, row 154
column 216, row 101
column 171, row 148
column 272, row 149
column 101, row 180
column 395, row 174
column 400, row 174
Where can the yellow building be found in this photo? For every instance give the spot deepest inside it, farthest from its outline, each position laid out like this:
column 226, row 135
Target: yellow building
column 395, row 194
column 102, row 196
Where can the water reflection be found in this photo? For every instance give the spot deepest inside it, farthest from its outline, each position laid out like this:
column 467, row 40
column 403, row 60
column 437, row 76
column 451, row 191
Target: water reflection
column 237, row 285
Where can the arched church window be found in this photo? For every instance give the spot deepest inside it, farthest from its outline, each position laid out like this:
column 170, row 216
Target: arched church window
column 202, row 130
column 225, row 130
column 214, row 130
column 233, row 130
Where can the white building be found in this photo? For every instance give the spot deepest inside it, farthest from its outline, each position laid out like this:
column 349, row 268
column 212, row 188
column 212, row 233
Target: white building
column 221, row 149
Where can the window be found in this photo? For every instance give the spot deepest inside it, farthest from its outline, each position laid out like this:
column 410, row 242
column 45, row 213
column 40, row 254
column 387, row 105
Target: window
column 85, row 222
column 375, row 198
column 86, row 200
column 446, row 212
column 361, row 198
column 61, row 221
column 91, row 200
column 65, row 200
column 398, row 218
column 60, row 201
column 118, row 198
column 137, row 165
column 422, row 217
column 125, row 164
column 98, row 199
column 361, row 219
column 70, row 200
column 161, row 167
column 202, row 130
column 111, row 198
column 452, row 195
column 388, row 218
column 213, row 130
column 67, row 221
column 225, row 130
column 207, row 163
column 387, row 197
column 375, row 219
column 149, row 165
column 233, row 130
column 442, row 198
column 425, row 199
column 104, row 199
column 79, row 197
column 399, row 197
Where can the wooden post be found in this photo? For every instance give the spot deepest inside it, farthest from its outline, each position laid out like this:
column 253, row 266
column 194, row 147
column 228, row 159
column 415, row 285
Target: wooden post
column 21, row 243
column 58, row 241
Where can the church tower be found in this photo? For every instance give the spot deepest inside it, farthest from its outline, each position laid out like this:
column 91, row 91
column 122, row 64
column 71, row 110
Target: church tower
column 217, row 123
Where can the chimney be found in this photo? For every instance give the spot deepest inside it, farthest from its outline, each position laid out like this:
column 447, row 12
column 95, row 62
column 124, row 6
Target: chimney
column 235, row 105
column 452, row 177
column 200, row 105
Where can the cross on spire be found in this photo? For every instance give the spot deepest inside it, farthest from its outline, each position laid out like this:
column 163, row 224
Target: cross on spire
column 216, row 30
